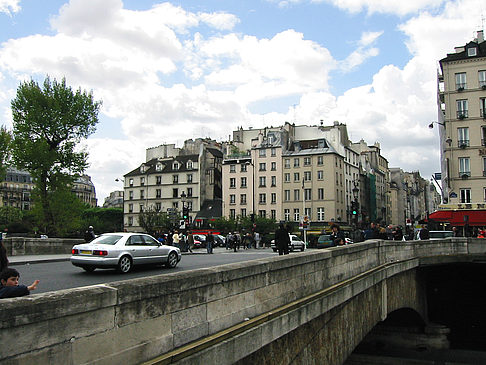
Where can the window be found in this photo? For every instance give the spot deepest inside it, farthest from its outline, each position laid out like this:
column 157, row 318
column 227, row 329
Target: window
column 232, row 183
column 465, row 195
column 175, row 179
column 484, row 166
column 175, row 205
column 158, row 193
column 287, row 195
column 274, row 181
column 262, row 198
column 287, row 214
column 463, row 137
column 232, row 168
column 320, row 214
column 175, row 166
column 320, row 160
column 482, row 78
column 307, row 212
column 158, row 207
column 262, row 153
column 262, row 166
column 273, row 214
column 243, row 199
column 158, row 180
column 464, row 167
column 482, row 107
column 308, row 194
column 189, row 192
column 320, row 194
column 243, row 182
column 471, row 52
column 274, row 166
column 175, row 193
column 263, row 181
column 307, row 176
column 232, row 199
column 158, row 167
column 142, row 181
column 462, row 111
column 243, row 167
column 287, row 177
column 460, row 81
column 141, row 208
column 243, row 212
column 307, row 161
column 320, row 175
column 274, row 198
column 296, row 194
column 130, row 208
column 142, row 194
column 232, row 213
column 130, row 221
column 296, row 162
column 296, row 177
column 130, row 182
column 296, row 214
column 262, row 213
column 130, row 194
column 287, row 163
column 273, row 151
column 189, row 165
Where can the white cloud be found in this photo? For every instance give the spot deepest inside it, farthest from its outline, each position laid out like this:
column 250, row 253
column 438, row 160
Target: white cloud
column 219, row 20
column 9, row 6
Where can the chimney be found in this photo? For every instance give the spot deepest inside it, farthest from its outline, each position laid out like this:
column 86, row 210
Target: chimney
column 480, row 36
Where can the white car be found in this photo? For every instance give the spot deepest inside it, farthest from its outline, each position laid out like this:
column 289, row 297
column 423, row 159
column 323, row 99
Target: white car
column 122, row 251
column 295, row 244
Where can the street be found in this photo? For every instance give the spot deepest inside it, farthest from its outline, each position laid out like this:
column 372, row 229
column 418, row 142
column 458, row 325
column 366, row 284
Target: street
column 63, row 275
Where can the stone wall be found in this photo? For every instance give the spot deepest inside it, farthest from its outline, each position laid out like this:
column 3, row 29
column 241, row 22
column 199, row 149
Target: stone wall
column 136, row 320
column 18, row 246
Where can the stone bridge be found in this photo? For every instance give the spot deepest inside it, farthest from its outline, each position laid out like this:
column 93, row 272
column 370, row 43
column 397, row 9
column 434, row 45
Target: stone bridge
column 313, row 307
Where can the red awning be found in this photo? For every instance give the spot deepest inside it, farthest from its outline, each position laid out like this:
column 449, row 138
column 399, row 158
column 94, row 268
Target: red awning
column 458, row 217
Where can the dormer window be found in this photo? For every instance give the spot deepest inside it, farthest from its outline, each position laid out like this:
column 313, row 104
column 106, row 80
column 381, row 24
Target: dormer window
column 189, row 165
column 142, row 169
column 158, row 167
column 175, row 166
column 472, row 52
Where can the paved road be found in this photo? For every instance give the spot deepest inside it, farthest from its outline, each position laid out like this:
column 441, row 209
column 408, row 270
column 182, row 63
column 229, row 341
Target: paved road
column 57, row 275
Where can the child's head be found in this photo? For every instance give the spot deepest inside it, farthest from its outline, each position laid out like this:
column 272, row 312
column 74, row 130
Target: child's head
column 9, row 277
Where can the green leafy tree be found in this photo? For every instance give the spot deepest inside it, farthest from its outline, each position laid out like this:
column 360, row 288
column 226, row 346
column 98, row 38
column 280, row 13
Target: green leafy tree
column 152, row 221
column 49, row 122
column 103, row 219
column 5, row 141
column 9, row 215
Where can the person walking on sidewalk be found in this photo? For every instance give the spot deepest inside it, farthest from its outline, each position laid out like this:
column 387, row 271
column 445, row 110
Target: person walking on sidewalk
column 190, row 241
column 210, row 243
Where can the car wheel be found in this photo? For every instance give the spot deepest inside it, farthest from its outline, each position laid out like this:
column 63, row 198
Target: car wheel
column 302, row 248
column 274, row 250
column 172, row 260
column 125, row 264
column 89, row 268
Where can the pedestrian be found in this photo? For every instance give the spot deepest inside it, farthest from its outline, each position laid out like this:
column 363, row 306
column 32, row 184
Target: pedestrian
column 9, row 284
column 229, row 239
column 176, row 239
column 257, row 240
column 247, row 241
column 89, row 235
column 3, row 255
column 337, row 235
column 209, row 243
column 424, row 233
column 282, row 240
column 190, row 241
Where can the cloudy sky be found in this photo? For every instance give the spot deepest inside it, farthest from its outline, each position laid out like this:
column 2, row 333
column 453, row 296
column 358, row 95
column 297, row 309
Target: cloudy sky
column 170, row 71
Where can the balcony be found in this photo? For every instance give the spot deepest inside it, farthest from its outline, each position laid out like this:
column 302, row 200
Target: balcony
column 464, row 174
column 460, row 86
column 463, row 143
column 461, row 114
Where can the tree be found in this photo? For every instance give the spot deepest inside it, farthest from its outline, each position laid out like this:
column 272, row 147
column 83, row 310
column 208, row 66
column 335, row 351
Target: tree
column 103, row 219
column 5, row 141
column 49, row 122
column 152, row 220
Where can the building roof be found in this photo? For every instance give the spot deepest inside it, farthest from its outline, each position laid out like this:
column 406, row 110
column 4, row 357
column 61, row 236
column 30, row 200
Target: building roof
column 481, row 52
column 167, row 165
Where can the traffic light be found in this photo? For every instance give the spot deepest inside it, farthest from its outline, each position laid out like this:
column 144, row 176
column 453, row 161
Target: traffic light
column 354, row 208
column 185, row 213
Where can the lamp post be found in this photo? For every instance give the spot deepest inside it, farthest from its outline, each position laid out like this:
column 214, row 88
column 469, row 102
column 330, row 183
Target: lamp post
column 123, row 202
column 355, row 206
column 185, row 213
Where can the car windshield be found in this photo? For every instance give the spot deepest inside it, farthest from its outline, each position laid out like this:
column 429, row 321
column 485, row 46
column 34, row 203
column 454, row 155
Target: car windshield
column 324, row 237
column 441, row 234
column 107, row 239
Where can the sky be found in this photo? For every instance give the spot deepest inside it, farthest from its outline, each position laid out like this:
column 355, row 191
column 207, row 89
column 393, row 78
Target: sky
column 167, row 71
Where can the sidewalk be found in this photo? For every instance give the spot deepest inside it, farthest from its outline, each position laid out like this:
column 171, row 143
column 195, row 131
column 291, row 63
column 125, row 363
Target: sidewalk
column 35, row 259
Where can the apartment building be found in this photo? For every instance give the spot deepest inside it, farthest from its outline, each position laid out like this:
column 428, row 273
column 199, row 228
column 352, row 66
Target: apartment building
column 16, row 189
column 172, row 177
column 462, row 123
column 85, row 190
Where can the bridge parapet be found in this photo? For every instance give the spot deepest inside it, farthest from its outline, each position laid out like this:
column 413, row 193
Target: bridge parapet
column 139, row 319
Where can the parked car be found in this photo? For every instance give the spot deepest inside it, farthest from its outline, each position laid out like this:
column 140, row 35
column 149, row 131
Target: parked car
column 122, row 251
column 435, row 235
column 199, row 240
column 295, row 244
column 219, row 240
column 325, row 241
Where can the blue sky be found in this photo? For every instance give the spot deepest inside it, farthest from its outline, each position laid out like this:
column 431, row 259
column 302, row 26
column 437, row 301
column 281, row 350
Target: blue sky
column 169, row 71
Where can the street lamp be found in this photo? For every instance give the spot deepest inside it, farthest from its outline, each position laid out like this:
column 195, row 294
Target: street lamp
column 123, row 201
column 355, row 204
column 185, row 210
column 431, row 125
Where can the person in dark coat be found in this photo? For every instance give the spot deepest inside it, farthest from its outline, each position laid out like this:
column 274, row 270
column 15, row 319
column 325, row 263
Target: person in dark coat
column 282, row 240
column 9, row 284
column 209, row 243
column 337, row 235
column 424, row 233
column 89, row 235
